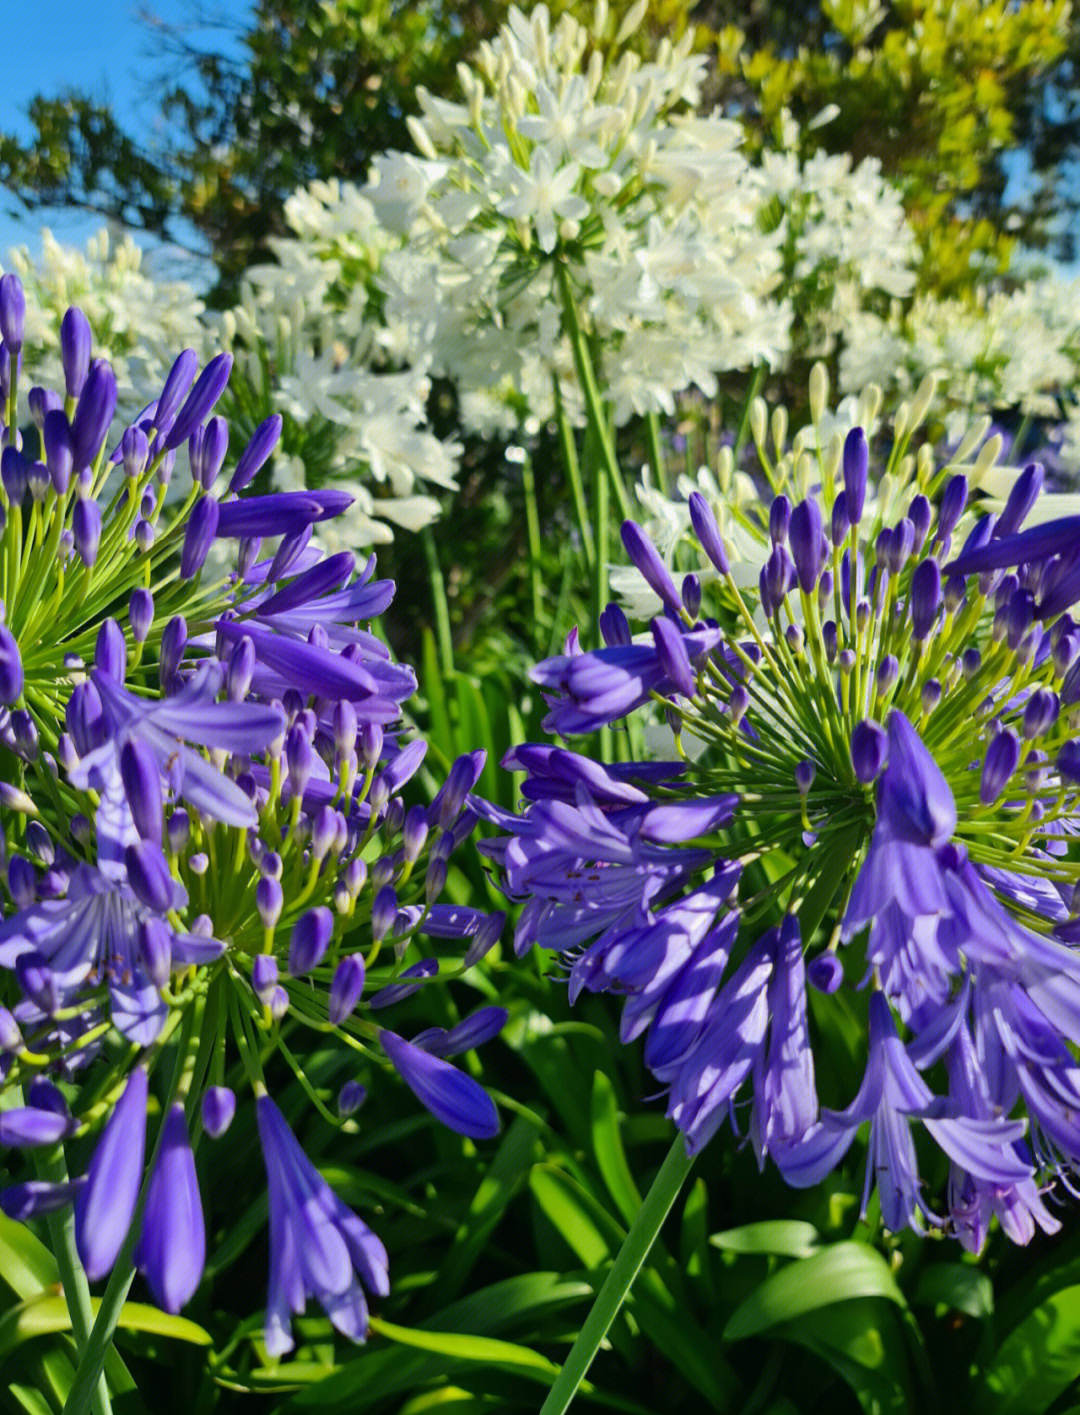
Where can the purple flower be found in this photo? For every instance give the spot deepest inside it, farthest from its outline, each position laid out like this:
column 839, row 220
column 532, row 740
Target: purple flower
column 106, row 1203
column 454, row 1099
column 171, row 1250
column 318, row 1247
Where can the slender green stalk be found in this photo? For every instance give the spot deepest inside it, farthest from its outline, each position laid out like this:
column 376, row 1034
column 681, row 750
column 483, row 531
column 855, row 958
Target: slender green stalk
column 438, row 598
column 656, row 452
column 744, row 420
column 532, row 528
column 51, row 1166
column 594, row 408
column 568, row 452
column 643, row 1234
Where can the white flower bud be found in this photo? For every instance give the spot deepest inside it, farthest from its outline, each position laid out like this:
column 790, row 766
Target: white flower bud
column 631, row 22
column 819, row 392
column 989, row 452
column 971, row 439
column 779, row 428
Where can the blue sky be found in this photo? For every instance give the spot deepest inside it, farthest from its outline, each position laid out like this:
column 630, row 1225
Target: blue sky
column 103, row 48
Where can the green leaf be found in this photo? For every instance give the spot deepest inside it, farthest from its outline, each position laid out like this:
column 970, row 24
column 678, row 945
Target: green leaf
column 577, row 1217
column 838, row 1274
column 863, row 1343
column 46, row 1313
column 26, row 1265
column 1039, row 1358
column 608, row 1148
column 784, row 1238
column 440, row 734
column 955, row 1285
column 463, row 1346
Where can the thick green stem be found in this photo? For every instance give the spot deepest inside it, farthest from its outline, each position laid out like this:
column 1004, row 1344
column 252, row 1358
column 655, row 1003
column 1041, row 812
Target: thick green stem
column 439, row 602
column 617, row 1284
column 594, row 406
column 52, row 1167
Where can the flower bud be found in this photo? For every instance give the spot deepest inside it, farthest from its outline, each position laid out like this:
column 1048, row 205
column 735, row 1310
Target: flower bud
column 279, row 1003
column 25, row 736
column 142, row 787
column 93, row 414
column 37, row 981
column 12, row 312
column 691, row 595
column 11, row 1038
column 178, row 830
column 920, row 514
column 901, row 542
column 346, row 988
column 674, row 660
column 856, row 465
column 11, row 669
column 825, row 973
column 953, row 501
column 208, row 388
column 925, row 598
column 76, row 342
column 14, row 473
column 805, row 772
column 155, row 950
column 263, row 441
column 1021, row 615
column 140, row 614
column 241, row 670
column 299, row 759
column 414, row 832
column 614, row 626
column 264, row 976
column 779, row 519
column 930, row 695
column 1041, row 712
column 269, row 900
column 21, row 881
column 173, row 644
column 199, row 536
column 135, row 451
column 310, row 939
column 1022, row 497
column 351, row 1097
column 149, row 877
column 218, row 1109
column 999, row 763
column 59, row 453
column 86, row 528
column 869, row 750
column 110, row 651
column 707, row 531
column 207, row 447
column 888, row 670
column 177, row 383
column 644, row 555
column 383, row 912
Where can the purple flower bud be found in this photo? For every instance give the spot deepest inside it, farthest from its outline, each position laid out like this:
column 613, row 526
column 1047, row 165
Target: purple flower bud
column 142, row 787
column 269, row 900
column 930, row 695
column 925, row 598
column 171, row 1250
column 953, row 501
column 207, row 447
column 43, row 401
column 76, row 342
column 59, row 453
column 794, row 636
column 485, row 938
column 901, row 542
column 888, row 670
column 691, row 595
column 1021, row 616
column 247, row 554
column 208, row 388
column 140, row 614
column 86, row 528
column 11, row 669
column 920, row 514
column 173, row 644
column 456, row 1100
column 14, row 473
column 264, row 975
column 999, row 763
column 263, row 441
column 1022, row 497
column 10, row 1037
column 355, row 875
column 1041, row 712
column 645, row 557
column 289, row 551
column 351, row 1097
column 155, row 950
column 840, row 522
column 825, row 973
column 144, row 535
column 278, row 1004
column 830, row 640
column 37, row 980
column 299, row 759
column 855, row 467
column 12, row 312
column 21, row 881
column 346, row 988
column 106, row 1203
column 371, row 744
column 241, row 670
column 93, row 414
column 134, row 451
column 110, row 651
column 435, row 879
column 869, row 750
column 779, row 519
column 323, row 831
column 179, row 380
column 149, row 877
column 778, row 575
column 383, row 912
column 199, row 536
column 24, row 735
column 414, row 833
column 345, row 727
column 309, row 941
column 804, row 776
column 1068, row 762
column 707, row 531
column 31, row 1128
column 674, row 660
column 199, row 863
column 218, row 1109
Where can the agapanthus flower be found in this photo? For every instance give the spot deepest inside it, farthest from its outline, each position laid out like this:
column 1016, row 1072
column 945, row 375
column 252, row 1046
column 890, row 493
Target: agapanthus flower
column 872, row 793
column 205, row 841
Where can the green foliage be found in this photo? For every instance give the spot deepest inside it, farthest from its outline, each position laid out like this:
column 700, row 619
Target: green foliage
column 938, row 90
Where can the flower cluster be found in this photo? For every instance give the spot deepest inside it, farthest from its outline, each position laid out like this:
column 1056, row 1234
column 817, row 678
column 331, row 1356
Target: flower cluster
column 139, row 320
column 309, row 344
column 564, row 147
column 205, row 840
column 872, row 795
